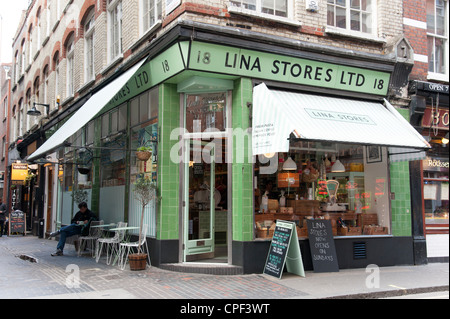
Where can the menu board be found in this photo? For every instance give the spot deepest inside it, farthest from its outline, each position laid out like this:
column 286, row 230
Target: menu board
column 284, row 246
column 17, row 222
column 321, row 242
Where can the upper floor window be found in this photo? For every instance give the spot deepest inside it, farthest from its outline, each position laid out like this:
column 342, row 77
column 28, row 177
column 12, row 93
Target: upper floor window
column 70, row 65
column 22, row 62
column 48, row 16
column 38, row 29
column 46, row 80
column 151, row 13
column 56, row 83
column 115, row 28
column 437, row 36
column 277, row 8
column 352, row 15
column 16, row 67
column 30, row 47
column 89, row 46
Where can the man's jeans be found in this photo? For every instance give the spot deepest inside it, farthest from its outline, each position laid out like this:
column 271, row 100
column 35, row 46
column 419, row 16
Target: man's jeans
column 67, row 231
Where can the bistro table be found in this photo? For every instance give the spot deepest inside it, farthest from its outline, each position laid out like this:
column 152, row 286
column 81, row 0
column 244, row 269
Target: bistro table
column 124, row 229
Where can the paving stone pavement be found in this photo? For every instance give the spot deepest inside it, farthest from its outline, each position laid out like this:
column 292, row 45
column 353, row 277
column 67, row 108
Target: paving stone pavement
column 30, row 272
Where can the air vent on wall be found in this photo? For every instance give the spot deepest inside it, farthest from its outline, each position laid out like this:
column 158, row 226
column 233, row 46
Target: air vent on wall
column 359, row 250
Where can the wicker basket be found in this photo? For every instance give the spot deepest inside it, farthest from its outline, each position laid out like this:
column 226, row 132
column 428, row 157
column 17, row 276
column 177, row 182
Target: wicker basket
column 143, row 155
column 137, row 261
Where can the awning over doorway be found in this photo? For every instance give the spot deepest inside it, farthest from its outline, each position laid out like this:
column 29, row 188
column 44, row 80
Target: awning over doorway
column 277, row 114
column 87, row 112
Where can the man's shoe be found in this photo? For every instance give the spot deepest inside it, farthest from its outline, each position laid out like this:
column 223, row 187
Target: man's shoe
column 54, row 234
column 58, row 252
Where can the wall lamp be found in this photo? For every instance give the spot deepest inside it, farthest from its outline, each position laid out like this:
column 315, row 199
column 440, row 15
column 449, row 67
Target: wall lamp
column 35, row 112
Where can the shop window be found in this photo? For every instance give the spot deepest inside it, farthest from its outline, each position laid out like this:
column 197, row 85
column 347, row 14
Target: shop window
column 144, row 133
column 435, row 191
column 114, row 146
column 144, row 107
column 347, row 184
column 205, row 112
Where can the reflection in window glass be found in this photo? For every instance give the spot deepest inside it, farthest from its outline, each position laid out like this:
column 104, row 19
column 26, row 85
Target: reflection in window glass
column 205, row 112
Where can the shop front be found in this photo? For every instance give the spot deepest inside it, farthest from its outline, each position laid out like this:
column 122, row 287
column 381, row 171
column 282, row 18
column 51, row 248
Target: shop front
column 242, row 137
column 430, row 103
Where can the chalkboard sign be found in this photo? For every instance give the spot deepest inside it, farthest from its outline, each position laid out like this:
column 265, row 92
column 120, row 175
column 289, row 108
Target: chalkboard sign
column 17, row 222
column 284, row 246
column 321, row 242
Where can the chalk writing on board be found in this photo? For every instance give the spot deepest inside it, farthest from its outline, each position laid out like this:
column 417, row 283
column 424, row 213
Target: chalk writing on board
column 321, row 242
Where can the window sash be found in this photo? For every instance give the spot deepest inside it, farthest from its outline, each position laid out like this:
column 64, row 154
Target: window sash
column 90, row 57
column 115, row 30
column 279, row 8
column 151, row 13
column 353, row 15
column 437, row 36
column 70, row 75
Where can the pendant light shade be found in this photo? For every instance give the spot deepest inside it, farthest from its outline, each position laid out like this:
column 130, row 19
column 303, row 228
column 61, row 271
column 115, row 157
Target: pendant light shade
column 338, row 167
column 289, row 165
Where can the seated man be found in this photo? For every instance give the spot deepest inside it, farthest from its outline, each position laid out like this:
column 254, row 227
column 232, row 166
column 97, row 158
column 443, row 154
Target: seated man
column 83, row 217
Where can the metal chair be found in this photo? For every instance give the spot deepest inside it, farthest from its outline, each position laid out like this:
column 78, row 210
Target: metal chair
column 112, row 244
column 94, row 234
column 125, row 248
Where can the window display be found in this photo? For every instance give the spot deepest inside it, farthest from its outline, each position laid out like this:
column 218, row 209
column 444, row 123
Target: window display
column 435, row 190
column 347, row 184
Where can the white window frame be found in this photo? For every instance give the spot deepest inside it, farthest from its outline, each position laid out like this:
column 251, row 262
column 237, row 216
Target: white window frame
column 70, row 52
column 48, row 17
column 89, row 27
column 46, row 80
column 146, row 12
column 436, row 75
column 24, row 53
column 347, row 31
column 20, row 118
column 28, row 118
column 30, row 47
column 114, row 35
column 240, row 9
column 56, row 80
column 38, row 30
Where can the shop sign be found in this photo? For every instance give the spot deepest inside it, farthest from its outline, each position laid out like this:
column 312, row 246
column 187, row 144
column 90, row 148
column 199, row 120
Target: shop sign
column 284, row 250
column 321, row 243
column 19, row 172
column 339, row 116
column 439, row 119
column 243, row 62
column 435, row 164
column 435, row 87
column 155, row 71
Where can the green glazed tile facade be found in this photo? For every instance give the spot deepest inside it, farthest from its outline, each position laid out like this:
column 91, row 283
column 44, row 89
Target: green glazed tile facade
column 400, row 185
column 242, row 193
column 168, row 171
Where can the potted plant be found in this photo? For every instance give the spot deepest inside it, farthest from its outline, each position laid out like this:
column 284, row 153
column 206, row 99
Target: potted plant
column 143, row 153
column 144, row 192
